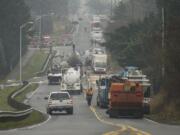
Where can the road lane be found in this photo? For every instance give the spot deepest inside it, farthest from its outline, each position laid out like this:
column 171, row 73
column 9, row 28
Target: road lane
column 82, row 122
column 132, row 124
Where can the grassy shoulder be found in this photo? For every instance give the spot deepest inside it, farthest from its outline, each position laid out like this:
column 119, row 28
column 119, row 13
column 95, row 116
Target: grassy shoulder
column 29, row 89
column 35, row 64
column 34, row 118
column 164, row 110
column 4, row 93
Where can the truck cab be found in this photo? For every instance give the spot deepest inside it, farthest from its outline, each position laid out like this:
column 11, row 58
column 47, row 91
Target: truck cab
column 99, row 63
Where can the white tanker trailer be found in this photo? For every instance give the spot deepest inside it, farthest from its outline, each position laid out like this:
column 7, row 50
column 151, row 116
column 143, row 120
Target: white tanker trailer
column 71, row 81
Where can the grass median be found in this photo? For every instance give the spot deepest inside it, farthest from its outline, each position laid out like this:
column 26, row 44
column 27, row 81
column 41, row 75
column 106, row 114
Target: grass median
column 34, row 118
column 21, row 97
column 35, row 64
column 4, row 93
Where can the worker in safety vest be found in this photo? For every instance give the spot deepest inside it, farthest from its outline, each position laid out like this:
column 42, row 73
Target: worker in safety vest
column 89, row 94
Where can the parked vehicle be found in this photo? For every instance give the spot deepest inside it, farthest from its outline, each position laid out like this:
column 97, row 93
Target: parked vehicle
column 99, row 63
column 59, row 101
column 126, row 99
column 134, row 74
column 103, row 85
column 54, row 78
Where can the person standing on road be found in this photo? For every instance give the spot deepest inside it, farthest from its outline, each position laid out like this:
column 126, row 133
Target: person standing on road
column 89, row 95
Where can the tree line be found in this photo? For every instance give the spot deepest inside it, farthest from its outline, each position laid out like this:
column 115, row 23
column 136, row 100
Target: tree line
column 137, row 41
column 13, row 14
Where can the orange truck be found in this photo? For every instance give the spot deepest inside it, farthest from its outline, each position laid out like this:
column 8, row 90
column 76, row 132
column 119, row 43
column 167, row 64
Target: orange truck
column 125, row 99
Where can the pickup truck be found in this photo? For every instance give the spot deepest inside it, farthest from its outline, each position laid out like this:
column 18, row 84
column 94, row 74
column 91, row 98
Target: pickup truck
column 126, row 99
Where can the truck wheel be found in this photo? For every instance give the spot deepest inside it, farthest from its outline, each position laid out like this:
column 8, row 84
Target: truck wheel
column 113, row 114
column 70, row 111
column 139, row 114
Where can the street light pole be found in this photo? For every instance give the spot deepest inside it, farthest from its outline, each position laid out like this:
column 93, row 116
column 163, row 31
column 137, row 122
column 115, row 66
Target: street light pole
column 20, row 50
column 40, row 30
column 111, row 8
column 20, row 55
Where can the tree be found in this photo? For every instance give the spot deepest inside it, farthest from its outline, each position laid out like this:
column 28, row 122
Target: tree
column 137, row 43
column 14, row 14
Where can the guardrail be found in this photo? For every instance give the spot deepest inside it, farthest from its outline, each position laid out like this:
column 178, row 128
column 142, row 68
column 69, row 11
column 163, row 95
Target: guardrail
column 45, row 65
column 23, row 109
column 15, row 114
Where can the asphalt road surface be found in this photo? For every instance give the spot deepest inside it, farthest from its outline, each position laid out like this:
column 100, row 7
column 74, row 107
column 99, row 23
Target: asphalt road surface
column 82, row 122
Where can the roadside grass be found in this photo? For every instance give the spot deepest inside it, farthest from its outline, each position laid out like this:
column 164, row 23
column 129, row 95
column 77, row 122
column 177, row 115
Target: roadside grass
column 34, row 118
column 29, row 89
column 164, row 111
column 35, row 64
column 4, row 93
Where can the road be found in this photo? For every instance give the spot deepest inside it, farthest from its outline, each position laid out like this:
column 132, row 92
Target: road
column 86, row 120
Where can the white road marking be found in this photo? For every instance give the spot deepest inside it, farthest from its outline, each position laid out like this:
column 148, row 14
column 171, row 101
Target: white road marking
column 154, row 122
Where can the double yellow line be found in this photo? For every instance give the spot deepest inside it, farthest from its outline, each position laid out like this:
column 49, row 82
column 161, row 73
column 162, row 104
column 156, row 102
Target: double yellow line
column 123, row 128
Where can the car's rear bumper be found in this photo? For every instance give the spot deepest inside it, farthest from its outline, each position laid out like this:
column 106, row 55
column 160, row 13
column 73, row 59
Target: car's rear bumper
column 59, row 108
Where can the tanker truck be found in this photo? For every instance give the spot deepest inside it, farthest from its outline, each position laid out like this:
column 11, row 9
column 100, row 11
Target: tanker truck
column 71, row 81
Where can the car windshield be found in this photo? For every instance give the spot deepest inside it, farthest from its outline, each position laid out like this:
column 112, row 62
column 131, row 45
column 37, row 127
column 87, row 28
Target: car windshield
column 59, row 96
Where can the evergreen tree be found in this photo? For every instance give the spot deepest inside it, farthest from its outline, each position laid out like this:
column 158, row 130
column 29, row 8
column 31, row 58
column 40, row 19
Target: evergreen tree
column 13, row 14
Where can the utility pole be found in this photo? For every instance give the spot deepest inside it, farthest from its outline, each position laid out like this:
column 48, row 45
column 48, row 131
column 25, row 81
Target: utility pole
column 20, row 48
column 40, row 30
column 132, row 11
column 111, row 10
column 163, row 41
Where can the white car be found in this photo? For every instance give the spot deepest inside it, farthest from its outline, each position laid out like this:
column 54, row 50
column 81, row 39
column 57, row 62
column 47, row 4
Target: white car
column 60, row 101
